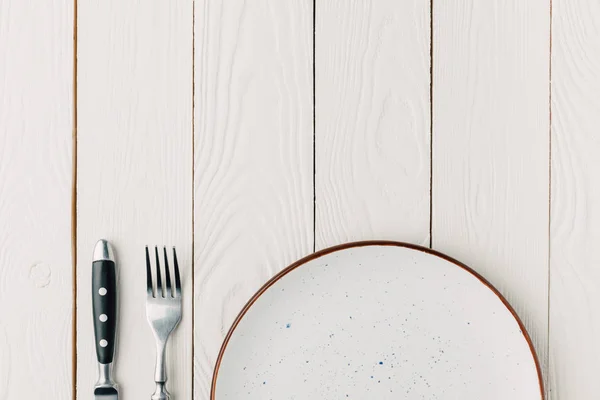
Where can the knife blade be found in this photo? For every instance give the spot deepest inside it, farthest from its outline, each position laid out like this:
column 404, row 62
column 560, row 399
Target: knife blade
column 104, row 307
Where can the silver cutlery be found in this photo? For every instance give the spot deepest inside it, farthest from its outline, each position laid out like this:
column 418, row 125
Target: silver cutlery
column 104, row 304
column 163, row 310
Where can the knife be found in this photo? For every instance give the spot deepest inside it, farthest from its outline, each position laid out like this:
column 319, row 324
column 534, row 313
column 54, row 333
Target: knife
column 104, row 302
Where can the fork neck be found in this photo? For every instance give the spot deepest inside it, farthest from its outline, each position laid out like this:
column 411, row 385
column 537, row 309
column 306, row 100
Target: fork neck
column 160, row 375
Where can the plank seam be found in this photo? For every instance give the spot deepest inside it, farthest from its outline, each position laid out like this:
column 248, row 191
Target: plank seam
column 547, row 367
column 314, row 76
column 431, row 124
column 74, row 208
column 193, row 185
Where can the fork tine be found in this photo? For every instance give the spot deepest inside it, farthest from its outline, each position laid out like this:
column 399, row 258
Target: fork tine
column 177, row 278
column 169, row 291
column 149, row 289
column 159, row 289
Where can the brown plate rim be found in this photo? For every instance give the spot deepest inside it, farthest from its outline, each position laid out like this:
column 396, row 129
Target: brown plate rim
column 365, row 243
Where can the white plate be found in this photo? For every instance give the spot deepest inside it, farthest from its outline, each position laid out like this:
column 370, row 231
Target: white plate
column 377, row 320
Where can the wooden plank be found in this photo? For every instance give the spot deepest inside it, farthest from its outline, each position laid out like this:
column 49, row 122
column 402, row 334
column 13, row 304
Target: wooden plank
column 134, row 181
column 575, row 222
column 372, row 121
column 253, row 157
column 490, row 147
column 36, row 152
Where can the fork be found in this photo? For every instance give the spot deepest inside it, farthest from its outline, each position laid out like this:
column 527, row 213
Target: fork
column 163, row 310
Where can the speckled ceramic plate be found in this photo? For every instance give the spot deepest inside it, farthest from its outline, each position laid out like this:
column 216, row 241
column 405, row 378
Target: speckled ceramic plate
column 377, row 320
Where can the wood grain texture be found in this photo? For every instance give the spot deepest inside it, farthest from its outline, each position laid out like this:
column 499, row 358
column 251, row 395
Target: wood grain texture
column 253, row 209
column 36, row 114
column 490, row 147
column 134, row 175
column 575, row 227
column 372, row 121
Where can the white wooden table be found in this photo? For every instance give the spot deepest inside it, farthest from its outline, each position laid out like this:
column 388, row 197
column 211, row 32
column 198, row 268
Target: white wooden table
column 250, row 133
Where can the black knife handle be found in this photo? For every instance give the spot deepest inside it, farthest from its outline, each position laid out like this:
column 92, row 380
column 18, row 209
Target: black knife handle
column 104, row 299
